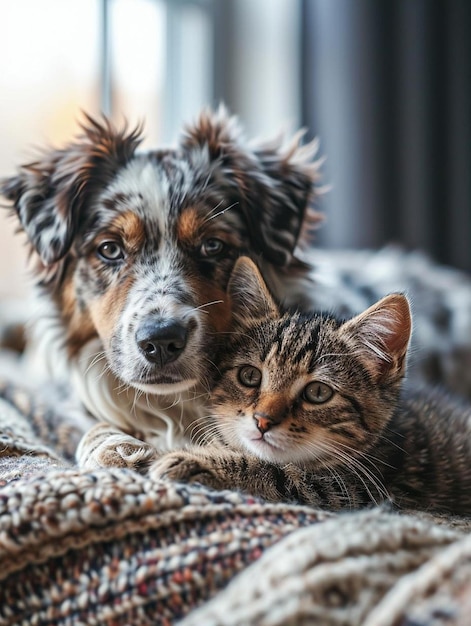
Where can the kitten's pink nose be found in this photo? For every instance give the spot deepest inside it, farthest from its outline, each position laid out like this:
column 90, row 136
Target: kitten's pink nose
column 264, row 422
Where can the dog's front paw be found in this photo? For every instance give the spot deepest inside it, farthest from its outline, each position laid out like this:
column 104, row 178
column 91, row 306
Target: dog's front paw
column 110, row 448
column 188, row 467
column 121, row 451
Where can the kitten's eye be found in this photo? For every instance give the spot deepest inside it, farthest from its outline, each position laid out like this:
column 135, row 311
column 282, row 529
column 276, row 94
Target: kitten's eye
column 317, row 393
column 110, row 251
column 212, row 247
column 250, row 376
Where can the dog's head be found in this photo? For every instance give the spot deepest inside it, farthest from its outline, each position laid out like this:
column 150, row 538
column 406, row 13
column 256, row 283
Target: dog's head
column 136, row 249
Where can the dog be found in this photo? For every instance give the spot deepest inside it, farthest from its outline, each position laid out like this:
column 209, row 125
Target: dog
column 132, row 252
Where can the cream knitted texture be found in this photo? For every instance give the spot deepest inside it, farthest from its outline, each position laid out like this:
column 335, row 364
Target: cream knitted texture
column 369, row 568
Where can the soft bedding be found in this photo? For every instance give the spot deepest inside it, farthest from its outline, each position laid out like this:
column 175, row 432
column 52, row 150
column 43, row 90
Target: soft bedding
column 112, row 547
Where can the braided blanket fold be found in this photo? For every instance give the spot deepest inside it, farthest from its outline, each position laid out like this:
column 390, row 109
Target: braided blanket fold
column 110, row 547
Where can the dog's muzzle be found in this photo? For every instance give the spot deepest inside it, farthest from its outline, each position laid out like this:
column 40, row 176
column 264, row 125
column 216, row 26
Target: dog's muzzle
column 161, row 341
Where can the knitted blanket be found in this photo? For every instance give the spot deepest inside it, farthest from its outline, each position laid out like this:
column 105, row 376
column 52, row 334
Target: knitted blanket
column 111, row 547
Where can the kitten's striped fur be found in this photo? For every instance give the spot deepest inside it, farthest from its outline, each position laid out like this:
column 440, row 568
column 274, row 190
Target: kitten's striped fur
column 284, row 438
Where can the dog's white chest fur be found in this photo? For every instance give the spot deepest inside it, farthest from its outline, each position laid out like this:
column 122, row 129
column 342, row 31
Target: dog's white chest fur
column 164, row 421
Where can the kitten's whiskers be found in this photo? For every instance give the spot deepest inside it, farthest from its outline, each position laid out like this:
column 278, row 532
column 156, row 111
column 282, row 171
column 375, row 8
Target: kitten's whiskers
column 356, row 467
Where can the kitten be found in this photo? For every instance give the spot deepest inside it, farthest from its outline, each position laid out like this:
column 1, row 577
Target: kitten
column 310, row 408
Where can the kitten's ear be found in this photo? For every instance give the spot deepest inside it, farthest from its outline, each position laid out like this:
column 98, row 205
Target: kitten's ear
column 383, row 333
column 249, row 294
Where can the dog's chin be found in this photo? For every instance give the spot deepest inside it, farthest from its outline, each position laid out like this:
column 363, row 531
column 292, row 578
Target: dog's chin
column 166, row 389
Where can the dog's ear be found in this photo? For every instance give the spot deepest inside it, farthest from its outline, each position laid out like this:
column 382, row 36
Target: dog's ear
column 280, row 209
column 49, row 194
column 216, row 132
column 273, row 183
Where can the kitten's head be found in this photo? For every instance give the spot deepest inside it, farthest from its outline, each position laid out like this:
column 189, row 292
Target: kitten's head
column 296, row 387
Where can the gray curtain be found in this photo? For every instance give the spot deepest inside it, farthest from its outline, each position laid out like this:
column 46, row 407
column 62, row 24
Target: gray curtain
column 387, row 88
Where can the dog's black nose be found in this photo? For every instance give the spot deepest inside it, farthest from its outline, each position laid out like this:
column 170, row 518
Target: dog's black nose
column 161, row 342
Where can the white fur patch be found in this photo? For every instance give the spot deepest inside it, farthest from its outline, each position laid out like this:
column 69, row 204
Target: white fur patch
column 165, row 419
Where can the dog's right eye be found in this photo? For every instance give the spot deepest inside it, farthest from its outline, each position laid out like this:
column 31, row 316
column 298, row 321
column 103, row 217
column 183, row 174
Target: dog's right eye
column 110, row 251
column 212, row 247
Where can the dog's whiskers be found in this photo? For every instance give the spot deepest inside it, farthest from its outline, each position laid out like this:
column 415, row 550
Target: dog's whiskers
column 105, row 370
column 98, row 356
column 211, row 211
column 202, row 306
column 212, row 217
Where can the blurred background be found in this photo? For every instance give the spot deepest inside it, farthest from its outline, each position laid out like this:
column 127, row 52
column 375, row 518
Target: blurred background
column 385, row 85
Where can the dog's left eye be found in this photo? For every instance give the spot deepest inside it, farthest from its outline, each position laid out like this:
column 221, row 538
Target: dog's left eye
column 212, row 247
column 110, row 251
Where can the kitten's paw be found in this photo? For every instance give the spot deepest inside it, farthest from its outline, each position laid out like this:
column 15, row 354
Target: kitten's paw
column 187, row 467
column 103, row 447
